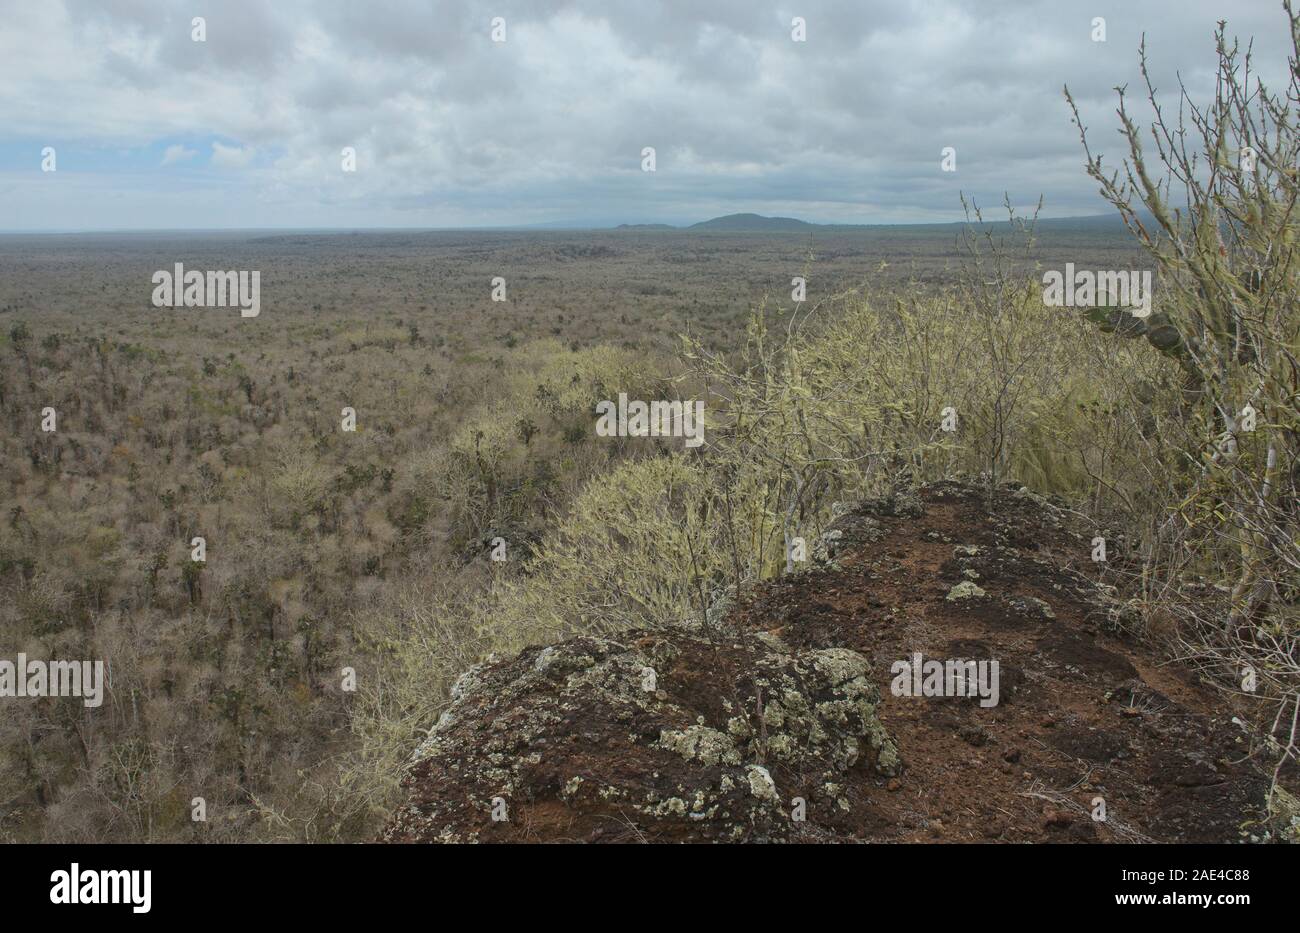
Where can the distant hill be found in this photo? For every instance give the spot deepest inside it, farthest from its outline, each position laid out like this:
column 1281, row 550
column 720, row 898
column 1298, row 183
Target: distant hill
column 740, row 223
column 757, row 223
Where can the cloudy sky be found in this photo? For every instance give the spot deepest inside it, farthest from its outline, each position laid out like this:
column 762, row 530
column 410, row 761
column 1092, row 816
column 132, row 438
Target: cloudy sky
column 152, row 129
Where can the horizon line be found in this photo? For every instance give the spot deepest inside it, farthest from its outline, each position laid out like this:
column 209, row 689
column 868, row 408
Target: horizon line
column 538, row 227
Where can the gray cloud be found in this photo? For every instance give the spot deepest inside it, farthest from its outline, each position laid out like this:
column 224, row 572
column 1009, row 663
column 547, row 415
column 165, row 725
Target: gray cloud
column 454, row 129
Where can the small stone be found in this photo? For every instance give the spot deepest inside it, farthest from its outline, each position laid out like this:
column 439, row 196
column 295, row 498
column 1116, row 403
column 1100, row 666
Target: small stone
column 1055, row 818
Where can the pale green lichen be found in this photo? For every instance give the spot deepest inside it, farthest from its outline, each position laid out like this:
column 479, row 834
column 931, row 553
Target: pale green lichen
column 1042, row 606
column 700, row 743
column 761, row 784
column 964, row 590
column 839, row 665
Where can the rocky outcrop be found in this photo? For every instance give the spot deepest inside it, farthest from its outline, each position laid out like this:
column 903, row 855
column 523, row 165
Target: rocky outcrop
column 783, row 719
column 664, row 735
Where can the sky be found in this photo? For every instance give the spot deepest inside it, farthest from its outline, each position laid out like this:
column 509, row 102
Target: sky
column 151, row 129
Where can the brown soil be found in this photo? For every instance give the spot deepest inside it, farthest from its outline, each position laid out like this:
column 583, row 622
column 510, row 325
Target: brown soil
column 1083, row 712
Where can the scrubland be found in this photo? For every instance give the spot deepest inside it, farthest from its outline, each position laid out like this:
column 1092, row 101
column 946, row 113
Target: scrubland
column 329, row 550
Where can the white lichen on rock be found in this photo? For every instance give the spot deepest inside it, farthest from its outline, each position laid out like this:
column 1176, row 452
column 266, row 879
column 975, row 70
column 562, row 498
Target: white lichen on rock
column 679, row 754
column 761, row 784
column 700, row 743
column 964, row 590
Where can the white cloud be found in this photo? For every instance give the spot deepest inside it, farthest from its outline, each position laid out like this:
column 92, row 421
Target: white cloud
column 231, row 156
column 178, row 153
